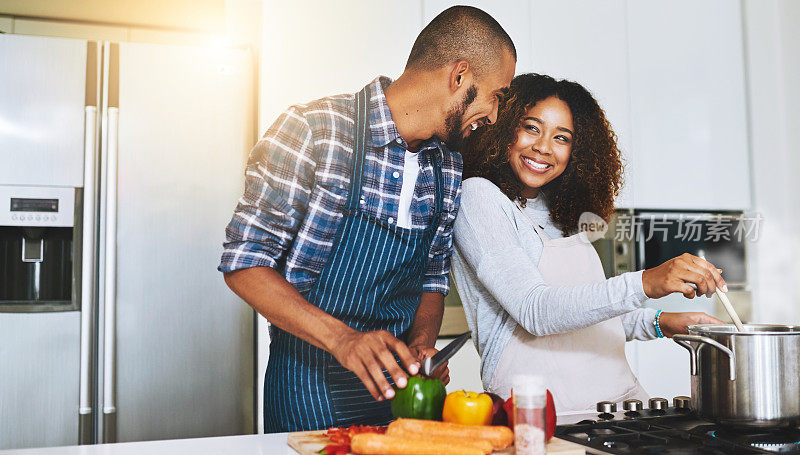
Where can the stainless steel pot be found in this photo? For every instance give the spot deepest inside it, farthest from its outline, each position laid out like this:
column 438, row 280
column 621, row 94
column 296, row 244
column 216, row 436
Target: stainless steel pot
column 745, row 379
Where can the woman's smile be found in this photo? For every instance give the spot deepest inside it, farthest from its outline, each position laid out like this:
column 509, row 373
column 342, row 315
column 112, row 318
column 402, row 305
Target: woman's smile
column 543, row 144
column 534, row 165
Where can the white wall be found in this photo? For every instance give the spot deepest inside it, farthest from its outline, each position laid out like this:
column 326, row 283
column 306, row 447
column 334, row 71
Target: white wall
column 772, row 40
column 323, row 48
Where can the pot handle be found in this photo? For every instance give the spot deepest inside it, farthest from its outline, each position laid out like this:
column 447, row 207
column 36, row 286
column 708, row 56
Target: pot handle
column 684, row 340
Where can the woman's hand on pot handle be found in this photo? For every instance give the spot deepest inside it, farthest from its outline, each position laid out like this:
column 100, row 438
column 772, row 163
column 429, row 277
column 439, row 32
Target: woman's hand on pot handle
column 678, row 274
column 675, row 323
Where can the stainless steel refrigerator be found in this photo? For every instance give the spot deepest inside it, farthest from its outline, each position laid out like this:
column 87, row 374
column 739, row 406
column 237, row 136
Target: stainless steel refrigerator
column 120, row 165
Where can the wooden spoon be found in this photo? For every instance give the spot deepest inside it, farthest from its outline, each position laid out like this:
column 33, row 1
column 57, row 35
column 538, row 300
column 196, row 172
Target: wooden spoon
column 729, row 308
column 725, row 302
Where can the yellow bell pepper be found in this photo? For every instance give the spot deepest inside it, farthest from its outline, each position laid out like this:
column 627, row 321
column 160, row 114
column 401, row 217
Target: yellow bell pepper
column 467, row 408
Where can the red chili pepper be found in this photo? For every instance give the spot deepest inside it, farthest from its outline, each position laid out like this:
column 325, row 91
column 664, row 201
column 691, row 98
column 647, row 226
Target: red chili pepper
column 340, row 437
column 337, row 449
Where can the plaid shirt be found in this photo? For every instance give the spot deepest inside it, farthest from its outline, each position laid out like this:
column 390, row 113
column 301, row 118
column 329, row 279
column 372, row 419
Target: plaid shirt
column 298, row 182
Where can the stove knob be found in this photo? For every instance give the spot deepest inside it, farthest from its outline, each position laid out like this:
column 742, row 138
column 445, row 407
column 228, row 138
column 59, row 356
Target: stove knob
column 658, row 404
column 682, row 403
column 632, row 405
column 606, row 407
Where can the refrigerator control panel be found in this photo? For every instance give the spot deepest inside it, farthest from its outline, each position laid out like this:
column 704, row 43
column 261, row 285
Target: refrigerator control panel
column 37, row 206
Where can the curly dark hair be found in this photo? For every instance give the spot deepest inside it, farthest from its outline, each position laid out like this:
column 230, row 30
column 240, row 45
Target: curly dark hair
column 593, row 176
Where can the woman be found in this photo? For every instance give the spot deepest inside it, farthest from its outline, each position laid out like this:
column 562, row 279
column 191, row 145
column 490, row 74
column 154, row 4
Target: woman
column 533, row 288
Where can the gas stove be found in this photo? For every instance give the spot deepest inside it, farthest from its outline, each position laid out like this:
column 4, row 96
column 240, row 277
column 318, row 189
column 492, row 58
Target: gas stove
column 665, row 429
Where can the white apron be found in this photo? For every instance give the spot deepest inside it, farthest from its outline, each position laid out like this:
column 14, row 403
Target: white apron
column 580, row 367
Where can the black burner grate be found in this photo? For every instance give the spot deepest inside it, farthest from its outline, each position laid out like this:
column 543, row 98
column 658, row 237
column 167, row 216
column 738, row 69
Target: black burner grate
column 678, row 433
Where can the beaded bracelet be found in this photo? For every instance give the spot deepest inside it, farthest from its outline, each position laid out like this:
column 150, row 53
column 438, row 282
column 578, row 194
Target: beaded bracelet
column 657, row 324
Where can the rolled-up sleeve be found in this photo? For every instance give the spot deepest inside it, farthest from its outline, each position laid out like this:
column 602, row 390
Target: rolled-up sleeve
column 278, row 181
column 437, row 274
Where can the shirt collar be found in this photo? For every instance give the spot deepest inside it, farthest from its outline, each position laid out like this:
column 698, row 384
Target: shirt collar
column 381, row 124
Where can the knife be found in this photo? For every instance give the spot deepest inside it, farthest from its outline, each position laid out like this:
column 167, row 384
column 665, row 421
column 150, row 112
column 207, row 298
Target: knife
column 440, row 358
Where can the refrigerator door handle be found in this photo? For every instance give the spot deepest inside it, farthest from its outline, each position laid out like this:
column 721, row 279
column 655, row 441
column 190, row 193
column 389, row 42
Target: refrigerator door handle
column 85, row 424
column 109, row 304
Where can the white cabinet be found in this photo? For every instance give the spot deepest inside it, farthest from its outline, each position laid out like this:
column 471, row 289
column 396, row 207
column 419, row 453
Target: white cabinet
column 670, row 76
column 690, row 143
column 586, row 42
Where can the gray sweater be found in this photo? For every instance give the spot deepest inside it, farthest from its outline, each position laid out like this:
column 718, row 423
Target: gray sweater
column 495, row 266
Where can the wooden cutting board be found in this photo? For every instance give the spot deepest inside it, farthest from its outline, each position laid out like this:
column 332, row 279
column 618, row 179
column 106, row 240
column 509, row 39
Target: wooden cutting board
column 311, row 442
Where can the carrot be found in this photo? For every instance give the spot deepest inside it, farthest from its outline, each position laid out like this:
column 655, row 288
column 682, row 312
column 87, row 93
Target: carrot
column 381, row 444
column 499, row 436
column 481, row 444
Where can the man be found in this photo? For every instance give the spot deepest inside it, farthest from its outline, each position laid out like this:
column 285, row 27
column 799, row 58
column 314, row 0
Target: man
column 342, row 239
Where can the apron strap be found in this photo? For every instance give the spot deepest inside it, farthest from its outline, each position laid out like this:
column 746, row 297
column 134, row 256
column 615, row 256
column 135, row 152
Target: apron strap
column 539, row 230
column 437, row 173
column 360, row 141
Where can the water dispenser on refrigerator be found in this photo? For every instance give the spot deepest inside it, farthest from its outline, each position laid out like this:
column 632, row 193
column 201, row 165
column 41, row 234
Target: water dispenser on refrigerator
column 40, row 249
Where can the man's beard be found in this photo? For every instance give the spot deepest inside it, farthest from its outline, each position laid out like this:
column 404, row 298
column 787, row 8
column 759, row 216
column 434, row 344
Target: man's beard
column 455, row 120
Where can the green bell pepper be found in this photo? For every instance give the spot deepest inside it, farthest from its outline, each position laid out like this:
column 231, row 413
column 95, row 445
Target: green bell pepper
column 422, row 398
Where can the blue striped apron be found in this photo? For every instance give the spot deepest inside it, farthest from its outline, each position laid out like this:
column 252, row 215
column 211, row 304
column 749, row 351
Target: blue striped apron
column 373, row 281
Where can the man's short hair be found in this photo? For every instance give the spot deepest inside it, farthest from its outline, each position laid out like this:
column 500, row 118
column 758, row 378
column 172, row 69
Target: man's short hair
column 461, row 33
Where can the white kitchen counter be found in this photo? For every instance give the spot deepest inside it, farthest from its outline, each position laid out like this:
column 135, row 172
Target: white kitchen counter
column 252, row 444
